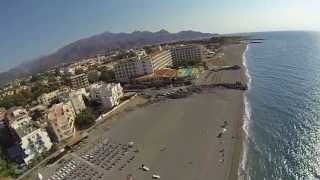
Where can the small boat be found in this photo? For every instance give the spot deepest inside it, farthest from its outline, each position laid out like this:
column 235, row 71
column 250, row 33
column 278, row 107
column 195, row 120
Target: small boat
column 145, row 168
column 155, row 176
column 224, row 130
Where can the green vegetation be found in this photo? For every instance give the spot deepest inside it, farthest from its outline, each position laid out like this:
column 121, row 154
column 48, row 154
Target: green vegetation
column 36, row 78
column 107, row 76
column 148, row 49
column 7, row 169
column 93, row 76
column 20, row 99
column 85, row 119
column 226, row 39
column 38, row 89
column 40, row 157
column 25, row 97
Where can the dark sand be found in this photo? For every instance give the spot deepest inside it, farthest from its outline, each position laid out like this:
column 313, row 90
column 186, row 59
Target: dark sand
column 188, row 130
column 177, row 139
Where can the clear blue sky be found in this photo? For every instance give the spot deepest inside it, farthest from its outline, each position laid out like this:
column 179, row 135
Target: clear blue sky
column 30, row 28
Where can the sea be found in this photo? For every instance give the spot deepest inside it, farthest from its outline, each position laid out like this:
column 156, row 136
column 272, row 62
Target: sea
column 282, row 122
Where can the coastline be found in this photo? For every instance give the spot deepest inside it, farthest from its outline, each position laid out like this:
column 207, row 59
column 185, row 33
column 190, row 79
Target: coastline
column 233, row 55
column 238, row 157
column 246, row 117
column 239, row 147
column 186, row 129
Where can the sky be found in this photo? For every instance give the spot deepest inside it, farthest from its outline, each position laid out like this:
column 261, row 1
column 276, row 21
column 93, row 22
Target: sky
column 31, row 28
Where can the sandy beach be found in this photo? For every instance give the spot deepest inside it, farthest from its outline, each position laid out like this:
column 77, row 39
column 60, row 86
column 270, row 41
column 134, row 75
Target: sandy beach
column 187, row 129
column 177, row 139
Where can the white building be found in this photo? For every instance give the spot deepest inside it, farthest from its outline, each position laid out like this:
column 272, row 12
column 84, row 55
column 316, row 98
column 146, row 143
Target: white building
column 47, row 98
column 128, row 69
column 161, row 59
column 79, row 81
column 107, row 94
column 186, row 53
column 77, row 101
column 34, row 142
column 140, row 53
column 31, row 139
column 61, row 119
column 68, row 71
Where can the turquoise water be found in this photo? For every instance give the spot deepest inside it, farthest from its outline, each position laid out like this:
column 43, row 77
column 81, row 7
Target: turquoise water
column 283, row 131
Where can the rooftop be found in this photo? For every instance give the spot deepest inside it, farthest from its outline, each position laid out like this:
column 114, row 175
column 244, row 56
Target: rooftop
column 26, row 129
column 76, row 76
column 159, row 73
column 157, row 53
column 181, row 46
column 13, row 112
column 102, row 84
column 55, row 110
column 134, row 59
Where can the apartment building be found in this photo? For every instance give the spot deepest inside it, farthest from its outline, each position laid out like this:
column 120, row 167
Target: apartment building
column 79, row 81
column 29, row 140
column 107, row 94
column 128, row 69
column 67, row 71
column 140, row 53
column 161, row 59
column 34, row 141
column 48, row 98
column 186, row 53
column 77, row 101
column 61, row 119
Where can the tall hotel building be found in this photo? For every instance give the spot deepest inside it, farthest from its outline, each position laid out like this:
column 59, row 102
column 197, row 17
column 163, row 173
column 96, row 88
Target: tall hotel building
column 186, row 53
column 128, row 69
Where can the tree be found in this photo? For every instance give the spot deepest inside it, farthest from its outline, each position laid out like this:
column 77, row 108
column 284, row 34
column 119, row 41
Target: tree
column 36, row 115
column 79, row 71
column 85, row 119
column 65, row 79
column 148, row 49
column 56, row 72
column 93, row 76
column 21, row 99
column 34, row 78
column 107, row 76
column 38, row 89
column 7, row 169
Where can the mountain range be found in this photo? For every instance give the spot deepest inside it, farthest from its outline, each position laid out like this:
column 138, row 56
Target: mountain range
column 97, row 44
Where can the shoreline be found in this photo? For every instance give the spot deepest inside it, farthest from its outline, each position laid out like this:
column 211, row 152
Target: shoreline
column 239, row 129
column 178, row 138
column 233, row 55
column 246, row 118
column 240, row 151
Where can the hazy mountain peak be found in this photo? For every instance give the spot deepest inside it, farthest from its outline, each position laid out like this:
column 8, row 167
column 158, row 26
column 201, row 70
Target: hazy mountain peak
column 163, row 31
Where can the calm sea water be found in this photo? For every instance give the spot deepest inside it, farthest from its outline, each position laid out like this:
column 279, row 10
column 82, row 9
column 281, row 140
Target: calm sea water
column 283, row 131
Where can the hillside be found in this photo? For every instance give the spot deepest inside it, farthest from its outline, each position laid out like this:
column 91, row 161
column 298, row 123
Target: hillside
column 97, row 44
